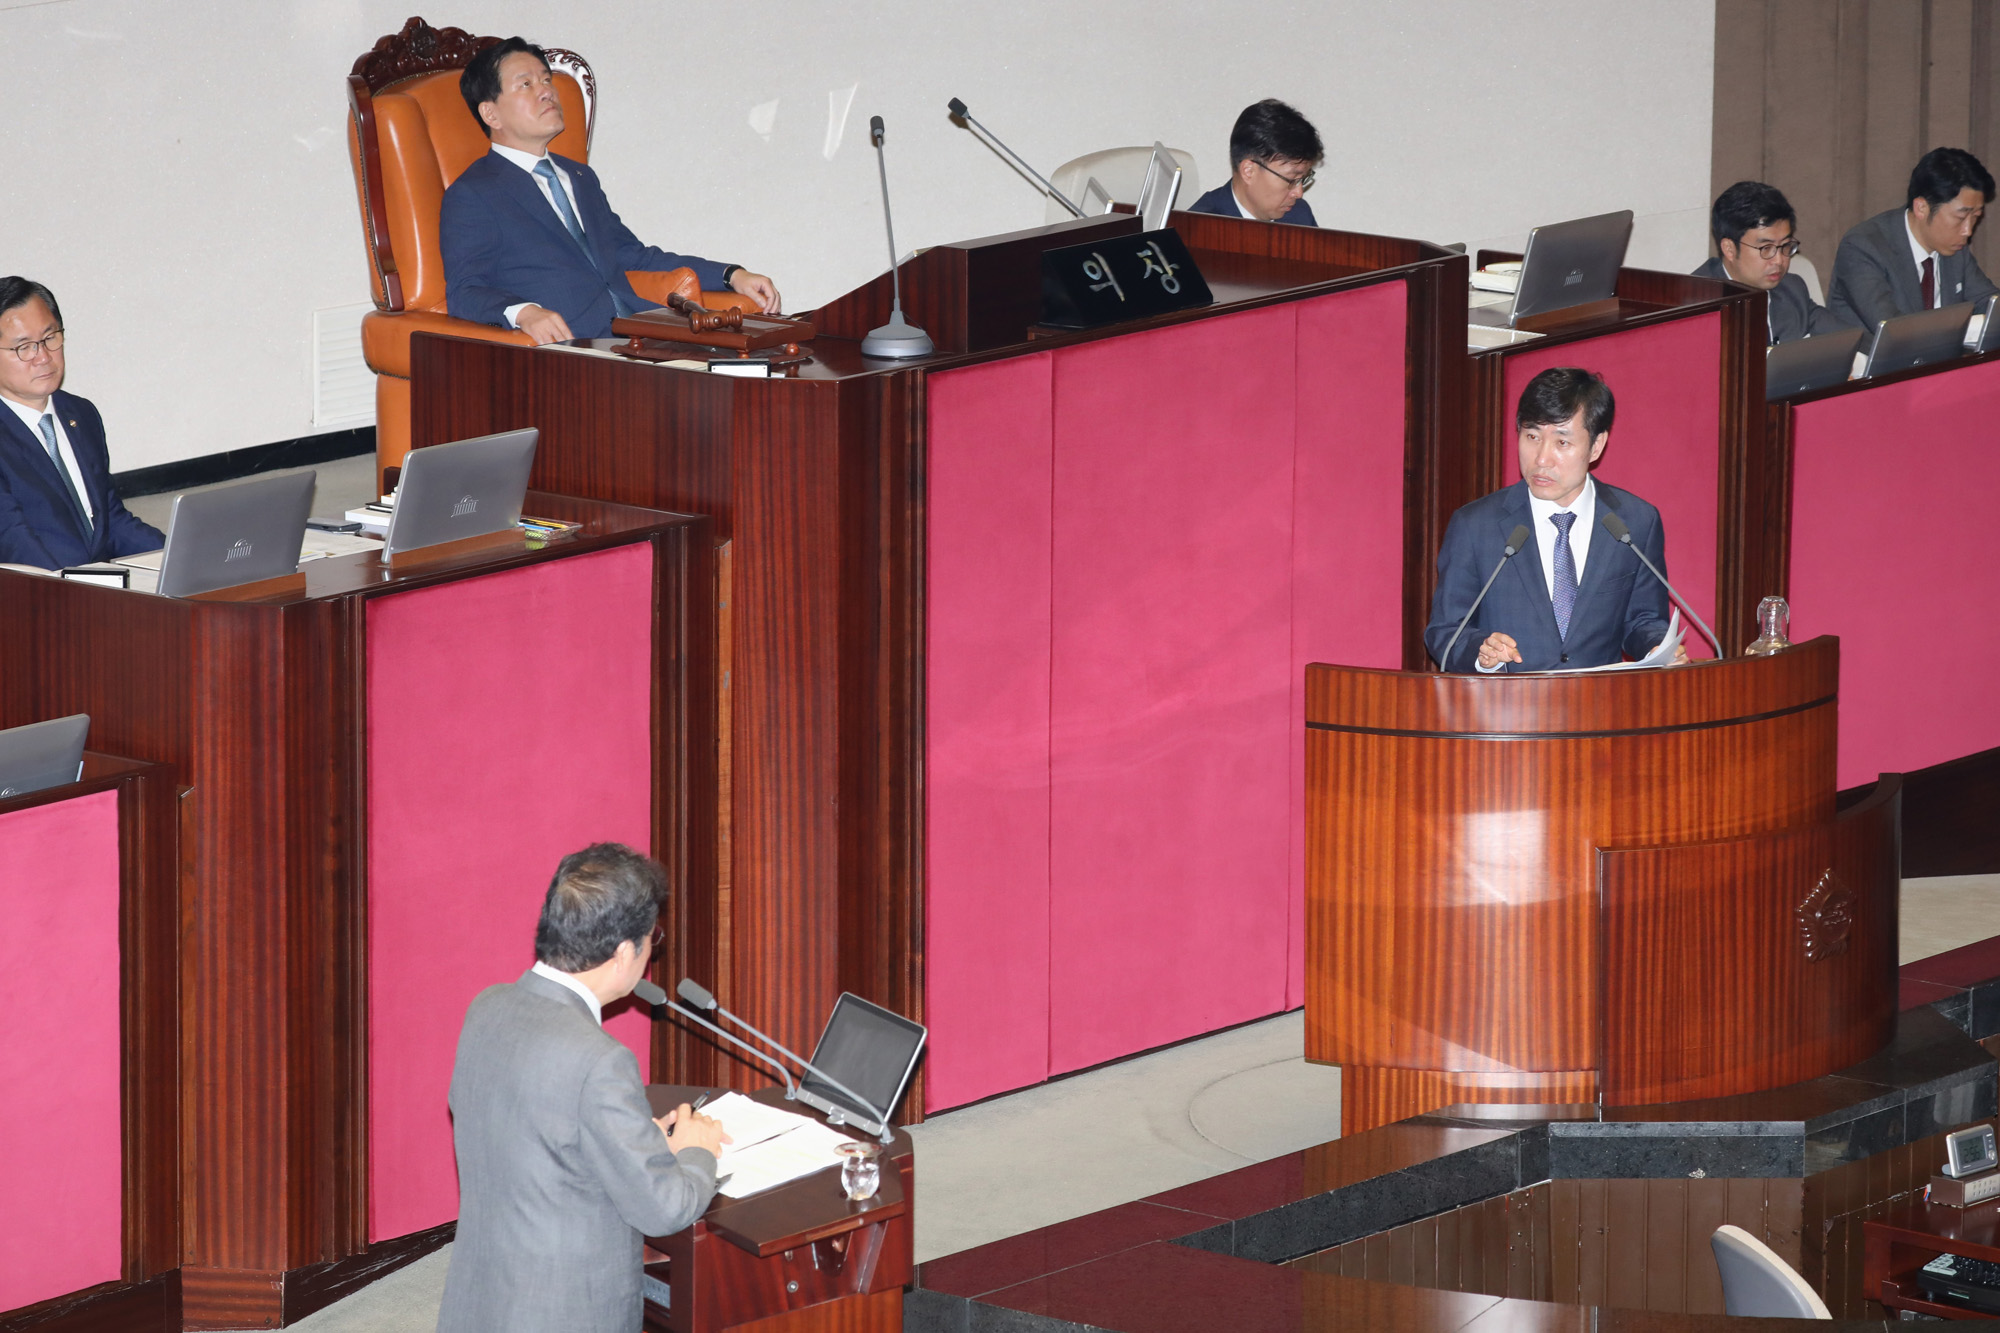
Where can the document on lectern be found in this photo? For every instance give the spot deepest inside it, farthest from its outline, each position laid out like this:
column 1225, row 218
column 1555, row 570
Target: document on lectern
column 1660, row 656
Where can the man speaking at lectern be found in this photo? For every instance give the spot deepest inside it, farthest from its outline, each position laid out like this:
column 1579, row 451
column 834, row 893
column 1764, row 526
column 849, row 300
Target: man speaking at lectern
column 1573, row 598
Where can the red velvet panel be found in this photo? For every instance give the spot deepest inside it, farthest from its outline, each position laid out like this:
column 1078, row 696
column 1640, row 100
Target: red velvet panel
column 1665, row 441
column 1347, row 527
column 61, row 1155
column 509, row 723
column 1877, row 559
column 987, row 730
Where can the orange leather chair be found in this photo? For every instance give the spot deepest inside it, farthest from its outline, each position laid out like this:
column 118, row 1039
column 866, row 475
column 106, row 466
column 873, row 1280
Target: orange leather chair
column 408, row 137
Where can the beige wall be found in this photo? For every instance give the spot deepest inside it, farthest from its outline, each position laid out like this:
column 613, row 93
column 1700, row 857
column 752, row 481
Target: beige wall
column 179, row 175
column 1833, row 101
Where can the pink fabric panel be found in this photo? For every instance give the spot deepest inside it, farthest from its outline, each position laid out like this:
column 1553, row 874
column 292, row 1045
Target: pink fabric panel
column 61, row 1152
column 473, row 686
column 1171, row 683
column 1665, row 443
column 1875, row 557
column 1347, row 526
column 986, row 909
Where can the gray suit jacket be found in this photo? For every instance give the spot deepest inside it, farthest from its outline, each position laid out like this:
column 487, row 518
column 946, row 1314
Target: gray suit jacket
column 1875, row 279
column 561, row 1169
column 1792, row 311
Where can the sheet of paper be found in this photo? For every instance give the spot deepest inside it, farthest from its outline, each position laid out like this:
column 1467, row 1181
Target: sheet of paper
column 749, row 1123
column 800, row 1152
column 1663, row 655
column 144, row 560
column 320, row 545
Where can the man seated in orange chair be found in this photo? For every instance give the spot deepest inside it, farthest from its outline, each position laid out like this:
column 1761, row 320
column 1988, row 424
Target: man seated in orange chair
column 529, row 240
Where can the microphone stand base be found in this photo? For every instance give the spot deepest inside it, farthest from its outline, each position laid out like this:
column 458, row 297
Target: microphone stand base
column 897, row 341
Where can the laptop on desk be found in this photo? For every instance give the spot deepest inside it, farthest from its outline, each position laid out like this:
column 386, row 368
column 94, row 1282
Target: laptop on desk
column 1566, row 264
column 42, row 754
column 1923, row 339
column 1805, row 364
column 870, row 1049
column 239, row 532
column 467, row 488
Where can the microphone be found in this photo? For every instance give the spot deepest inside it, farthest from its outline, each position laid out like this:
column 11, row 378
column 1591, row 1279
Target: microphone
column 957, row 108
column 1616, row 527
column 898, row 339
column 656, row 997
column 1516, row 540
column 698, row 996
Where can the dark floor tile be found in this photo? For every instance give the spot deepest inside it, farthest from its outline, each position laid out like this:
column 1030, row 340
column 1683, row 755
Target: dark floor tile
column 934, row 1312
column 1478, row 1172
column 1863, row 1136
column 1985, row 1017
column 1377, row 1152
column 1942, row 1108
column 1674, row 1152
column 1049, row 1249
column 1252, row 1189
column 1960, row 967
column 1793, row 1108
column 1911, row 993
column 1333, row 1218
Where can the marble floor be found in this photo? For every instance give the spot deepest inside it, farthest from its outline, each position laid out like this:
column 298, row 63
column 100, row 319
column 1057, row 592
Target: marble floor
column 1123, row 1131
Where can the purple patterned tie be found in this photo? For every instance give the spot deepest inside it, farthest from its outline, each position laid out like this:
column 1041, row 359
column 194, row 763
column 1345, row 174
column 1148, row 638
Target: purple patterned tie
column 1565, row 593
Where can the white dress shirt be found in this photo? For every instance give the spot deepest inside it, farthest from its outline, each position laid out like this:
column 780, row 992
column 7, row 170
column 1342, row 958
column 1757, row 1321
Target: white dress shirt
column 1540, row 512
column 33, row 421
column 1917, row 256
column 527, row 162
column 1239, row 204
column 542, row 969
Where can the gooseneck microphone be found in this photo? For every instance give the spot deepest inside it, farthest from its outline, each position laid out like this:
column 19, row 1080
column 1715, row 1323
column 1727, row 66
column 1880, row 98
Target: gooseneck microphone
column 1616, row 527
column 699, row 996
column 656, row 997
column 898, row 339
column 957, row 109
column 1515, row 541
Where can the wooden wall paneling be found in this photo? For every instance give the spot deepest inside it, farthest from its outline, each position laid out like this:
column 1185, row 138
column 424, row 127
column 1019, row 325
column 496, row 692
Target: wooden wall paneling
column 1741, row 475
column 1435, row 482
column 149, row 928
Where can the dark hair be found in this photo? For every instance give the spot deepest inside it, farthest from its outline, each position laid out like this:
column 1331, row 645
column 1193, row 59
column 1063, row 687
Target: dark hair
column 601, row 896
column 1555, row 395
column 1941, row 174
column 1746, row 206
column 1269, row 130
column 481, row 80
column 17, row 292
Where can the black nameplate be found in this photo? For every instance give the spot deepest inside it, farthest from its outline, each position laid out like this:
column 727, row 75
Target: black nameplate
column 1120, row 278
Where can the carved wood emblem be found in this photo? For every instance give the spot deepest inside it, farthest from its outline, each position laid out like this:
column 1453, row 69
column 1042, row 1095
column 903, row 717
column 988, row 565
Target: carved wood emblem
column 417, row 49
column 1826, row 918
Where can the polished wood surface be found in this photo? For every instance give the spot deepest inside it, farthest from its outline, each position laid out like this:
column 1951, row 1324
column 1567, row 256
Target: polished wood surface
column 1749, row 963
column 255, row 696
column 799, row 1258
column 815, row 482
column 1452, row 913
column 1906, row 1238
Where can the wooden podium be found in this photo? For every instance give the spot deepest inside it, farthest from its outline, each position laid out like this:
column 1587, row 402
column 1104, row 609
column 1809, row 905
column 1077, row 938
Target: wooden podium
column 1624, row 887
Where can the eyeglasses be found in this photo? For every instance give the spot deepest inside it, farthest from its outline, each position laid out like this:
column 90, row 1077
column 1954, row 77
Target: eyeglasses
column 658, row 937
column 1302, row 184
column 30, row 350
column 1772, row 249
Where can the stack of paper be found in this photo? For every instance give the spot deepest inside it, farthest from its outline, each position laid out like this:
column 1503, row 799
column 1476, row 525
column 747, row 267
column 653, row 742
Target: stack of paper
column 769, row 1147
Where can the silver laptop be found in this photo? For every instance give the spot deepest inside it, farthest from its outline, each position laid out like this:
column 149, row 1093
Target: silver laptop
column 239, row 532
column 42, row 754
column 1922, row 339
column 1805, row 364
column 467, row 488
column 870, row 1049
column 1566, row 264
column 1989, row 337
column 1163, row 183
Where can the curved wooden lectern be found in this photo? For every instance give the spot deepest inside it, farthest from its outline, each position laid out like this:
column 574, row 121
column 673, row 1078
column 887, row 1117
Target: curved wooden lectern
column 1627, row 887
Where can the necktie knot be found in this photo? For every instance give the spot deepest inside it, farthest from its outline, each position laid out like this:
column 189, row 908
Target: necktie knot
column 1563, row 522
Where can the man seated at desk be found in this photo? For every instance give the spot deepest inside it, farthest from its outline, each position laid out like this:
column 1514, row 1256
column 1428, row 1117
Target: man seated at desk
column 1573, row 598
column 562, row 1169
column 57, row 505
column 529, row 239
column 1754, row 228
column 1915, row 258
column 1274, row 154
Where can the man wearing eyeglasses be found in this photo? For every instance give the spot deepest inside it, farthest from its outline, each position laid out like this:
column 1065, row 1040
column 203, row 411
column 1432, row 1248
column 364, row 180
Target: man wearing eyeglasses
column 562, row 1168
column 1274, row 154
column 57, row 505
column 1754, row 229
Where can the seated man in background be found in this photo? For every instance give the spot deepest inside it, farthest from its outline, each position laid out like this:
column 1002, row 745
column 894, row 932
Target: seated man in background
column 1754, row 228
column 529, row 239
column 57, row 506
column 1915, row 258
column 1579, row 601
column 562, row 1169
column 1273, row 155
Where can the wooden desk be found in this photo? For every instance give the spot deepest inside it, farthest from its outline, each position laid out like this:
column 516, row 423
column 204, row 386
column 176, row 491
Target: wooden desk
column 383, row 763
column 802, row 1256
column 1910, row 1237
column 1010, row 639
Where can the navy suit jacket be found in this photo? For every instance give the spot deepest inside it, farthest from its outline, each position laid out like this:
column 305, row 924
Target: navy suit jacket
column 503, row 245
column 1621, row 610
column 1222, row 203
column 38, row 523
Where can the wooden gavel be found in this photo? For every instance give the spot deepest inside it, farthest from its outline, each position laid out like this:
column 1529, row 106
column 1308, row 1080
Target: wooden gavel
column 701, row 320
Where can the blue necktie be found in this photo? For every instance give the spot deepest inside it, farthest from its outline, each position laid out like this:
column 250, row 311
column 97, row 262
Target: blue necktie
column 48, row 425
column 1565, row 591
column 547, row 171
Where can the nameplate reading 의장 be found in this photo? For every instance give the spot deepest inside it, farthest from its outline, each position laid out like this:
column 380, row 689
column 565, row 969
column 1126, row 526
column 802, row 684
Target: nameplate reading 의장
column 1126, row 277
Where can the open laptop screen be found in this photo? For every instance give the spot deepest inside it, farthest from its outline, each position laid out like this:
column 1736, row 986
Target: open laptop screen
column 871, row 1050
column 42, row 754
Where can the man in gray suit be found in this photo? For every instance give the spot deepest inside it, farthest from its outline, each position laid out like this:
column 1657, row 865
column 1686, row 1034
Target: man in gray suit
column 1915, row 258
column 1754, row 225
column 562, row 1168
